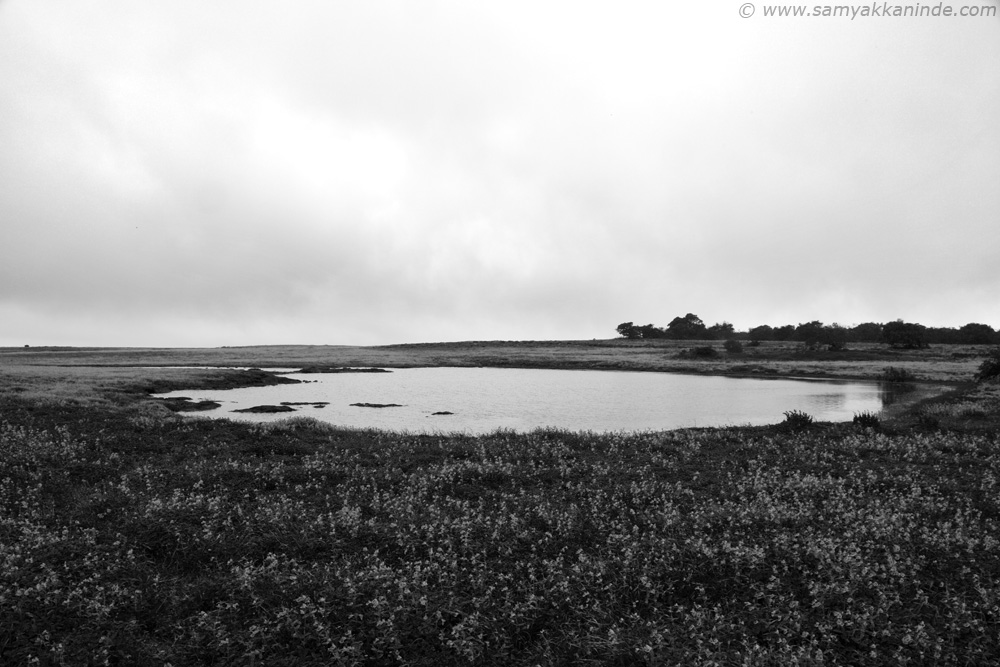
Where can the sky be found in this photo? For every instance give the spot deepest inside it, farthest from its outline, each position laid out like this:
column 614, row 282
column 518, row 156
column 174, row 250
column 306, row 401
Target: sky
column 188, row 174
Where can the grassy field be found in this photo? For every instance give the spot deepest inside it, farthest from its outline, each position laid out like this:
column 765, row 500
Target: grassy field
column 945, row 363
column 129, row 535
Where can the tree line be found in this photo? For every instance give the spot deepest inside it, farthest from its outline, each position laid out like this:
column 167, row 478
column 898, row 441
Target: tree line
column 815, row 333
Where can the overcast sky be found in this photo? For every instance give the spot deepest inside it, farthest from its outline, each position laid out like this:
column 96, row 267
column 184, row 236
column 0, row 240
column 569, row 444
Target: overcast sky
column 229, row 173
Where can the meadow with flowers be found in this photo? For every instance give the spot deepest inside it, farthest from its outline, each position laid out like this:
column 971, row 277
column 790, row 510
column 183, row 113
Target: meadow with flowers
column 130, row 535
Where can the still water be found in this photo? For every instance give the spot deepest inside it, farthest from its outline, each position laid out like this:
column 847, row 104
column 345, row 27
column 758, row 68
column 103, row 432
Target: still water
column 482, row 400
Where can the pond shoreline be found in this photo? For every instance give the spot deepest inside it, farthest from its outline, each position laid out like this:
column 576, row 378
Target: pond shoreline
column 527, row 398
column 132, row 374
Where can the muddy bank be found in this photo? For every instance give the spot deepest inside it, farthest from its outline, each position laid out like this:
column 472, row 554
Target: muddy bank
column 218, row 379
column 902, row 401
column 186, row 404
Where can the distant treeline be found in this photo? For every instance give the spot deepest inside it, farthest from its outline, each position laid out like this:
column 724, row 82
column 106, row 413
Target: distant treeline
column 815, row 333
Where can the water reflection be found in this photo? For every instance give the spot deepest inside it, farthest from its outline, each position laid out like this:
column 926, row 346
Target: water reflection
column 895, row 391
column 829, row 402
column 481, row 400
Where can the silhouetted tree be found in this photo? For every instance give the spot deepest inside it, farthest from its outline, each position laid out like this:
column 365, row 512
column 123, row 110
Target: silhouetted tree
column 689, row 327
column 784, row 333
column 650, row 331
column 897, row 334
column 904, row 334
column 942, row 335
column 834, row 337
column 809, row 333
column 868, row 332
column 763, row 332
column 628, row 330
column 977, row 334
column 721, row 330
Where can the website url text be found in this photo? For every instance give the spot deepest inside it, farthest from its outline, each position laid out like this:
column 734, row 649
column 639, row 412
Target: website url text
column 873, row 10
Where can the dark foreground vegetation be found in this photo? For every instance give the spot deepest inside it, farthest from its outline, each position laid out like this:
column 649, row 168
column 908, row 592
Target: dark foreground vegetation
column 129, row 535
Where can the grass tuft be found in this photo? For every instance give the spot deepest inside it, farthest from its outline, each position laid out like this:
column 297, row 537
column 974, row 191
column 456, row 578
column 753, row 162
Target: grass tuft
column 868, row 420
column 797, row 420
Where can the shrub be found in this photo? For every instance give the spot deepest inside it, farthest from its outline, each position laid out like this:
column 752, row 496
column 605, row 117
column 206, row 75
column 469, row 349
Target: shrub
column 705, row 352
column 990, row 369
column 927, row 419
column 733, row 346
column 893, row 374
column 867, row 419
column 959, row 410
column 796, row 419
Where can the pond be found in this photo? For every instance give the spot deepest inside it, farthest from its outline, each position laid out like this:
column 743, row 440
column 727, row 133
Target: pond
column 482, row 400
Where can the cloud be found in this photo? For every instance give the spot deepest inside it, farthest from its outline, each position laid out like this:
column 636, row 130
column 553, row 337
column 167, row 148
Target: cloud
column 384, row 172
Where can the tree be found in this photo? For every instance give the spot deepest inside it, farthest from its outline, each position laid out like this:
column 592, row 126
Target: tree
column 977, row 334
column 868, row 332
column 763, row 332
column 809, row 333
column 689, row 327
column 904, row 334
column 784, row 333
column 834, row 337
column 628, row 330
column 650, row 331
column 721, row 330
column 942, row 335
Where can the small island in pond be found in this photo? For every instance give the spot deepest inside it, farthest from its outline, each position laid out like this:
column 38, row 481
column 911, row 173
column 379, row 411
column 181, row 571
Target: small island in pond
column 265, row 409
column 376, row 405
column 340, row 369
column 185, row 404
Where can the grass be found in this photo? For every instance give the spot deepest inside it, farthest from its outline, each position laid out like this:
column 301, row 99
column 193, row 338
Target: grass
column 902, row 375
column 129, row 535
column 942, row 363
